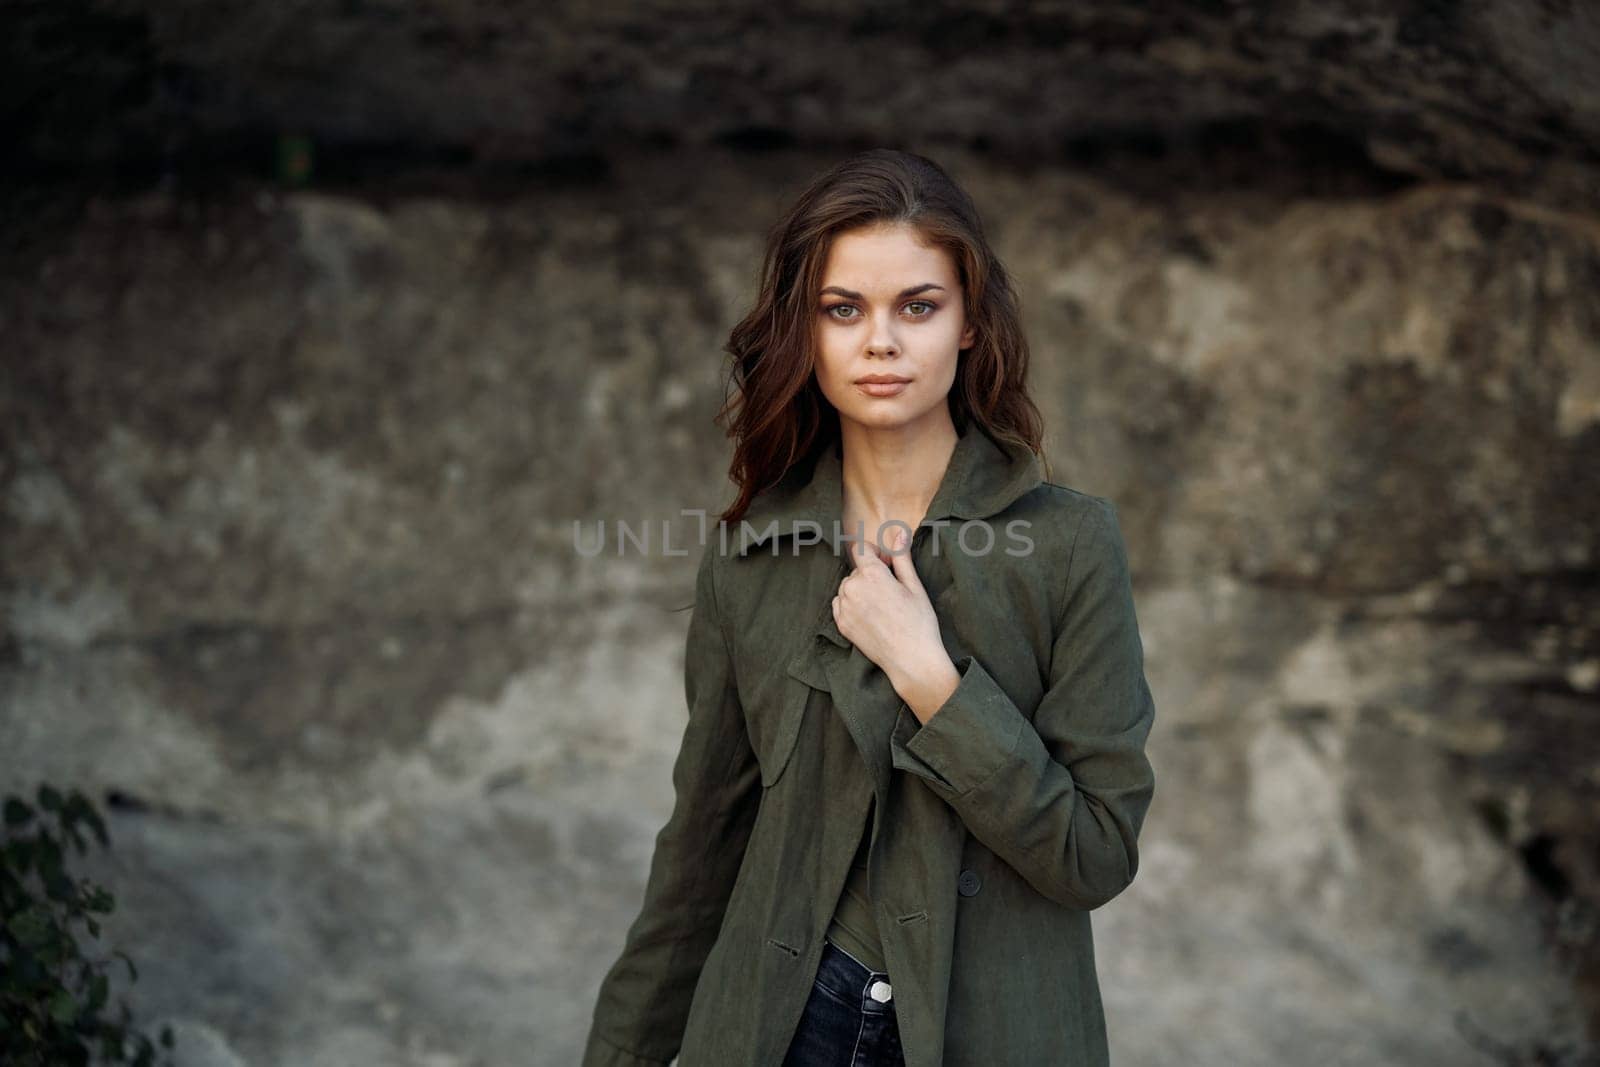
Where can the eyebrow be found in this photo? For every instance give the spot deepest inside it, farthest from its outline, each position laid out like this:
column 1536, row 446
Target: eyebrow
column 850, row 294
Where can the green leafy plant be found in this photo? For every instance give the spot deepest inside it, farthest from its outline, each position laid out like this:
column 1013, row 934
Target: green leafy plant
column 53, row 998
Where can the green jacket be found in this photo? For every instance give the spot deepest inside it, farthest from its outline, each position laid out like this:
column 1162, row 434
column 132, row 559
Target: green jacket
column 1004, row 820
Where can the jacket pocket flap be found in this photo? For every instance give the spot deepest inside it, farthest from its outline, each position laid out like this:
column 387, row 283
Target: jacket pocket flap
column 775, row 728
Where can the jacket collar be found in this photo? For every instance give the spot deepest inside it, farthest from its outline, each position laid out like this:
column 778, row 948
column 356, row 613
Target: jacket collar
column 984, row 477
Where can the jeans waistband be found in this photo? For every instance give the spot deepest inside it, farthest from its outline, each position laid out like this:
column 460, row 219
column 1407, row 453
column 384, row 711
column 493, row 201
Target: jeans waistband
column 849, row 978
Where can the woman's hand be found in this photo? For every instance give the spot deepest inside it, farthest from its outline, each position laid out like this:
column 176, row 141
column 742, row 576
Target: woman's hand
column 884, row 611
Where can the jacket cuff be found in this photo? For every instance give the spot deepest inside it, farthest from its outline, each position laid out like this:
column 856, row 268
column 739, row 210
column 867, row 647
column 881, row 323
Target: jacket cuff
column 602, row 1053
column 966, row 741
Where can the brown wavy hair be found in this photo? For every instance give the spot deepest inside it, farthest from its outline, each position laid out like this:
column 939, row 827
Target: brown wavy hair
column 778, row 413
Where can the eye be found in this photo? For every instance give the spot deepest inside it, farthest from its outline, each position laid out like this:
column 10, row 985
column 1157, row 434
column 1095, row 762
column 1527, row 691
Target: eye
column 932, row 307
column 839, row 307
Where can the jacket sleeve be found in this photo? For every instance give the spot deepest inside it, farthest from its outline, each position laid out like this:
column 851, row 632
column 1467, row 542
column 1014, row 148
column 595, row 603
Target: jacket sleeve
column 1061, row 799
column 644, row 999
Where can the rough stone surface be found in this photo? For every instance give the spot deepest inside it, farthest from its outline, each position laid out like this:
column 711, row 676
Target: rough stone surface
column 289, row 483
column 1503, row 91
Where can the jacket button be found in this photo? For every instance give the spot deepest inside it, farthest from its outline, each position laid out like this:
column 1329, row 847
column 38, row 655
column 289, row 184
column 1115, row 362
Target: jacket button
column 969, row 883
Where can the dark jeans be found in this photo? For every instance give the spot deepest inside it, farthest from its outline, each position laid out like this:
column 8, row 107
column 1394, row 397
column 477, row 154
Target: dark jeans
column 849, row 1018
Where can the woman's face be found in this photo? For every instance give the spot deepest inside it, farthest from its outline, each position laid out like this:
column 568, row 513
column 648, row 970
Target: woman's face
column 890, row 306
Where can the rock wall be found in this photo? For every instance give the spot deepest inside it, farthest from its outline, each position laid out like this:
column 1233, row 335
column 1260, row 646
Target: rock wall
column 1501, row 91
column 290, row 481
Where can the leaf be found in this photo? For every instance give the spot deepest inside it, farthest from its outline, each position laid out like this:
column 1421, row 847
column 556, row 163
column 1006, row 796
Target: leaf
column 18, row 856
column 59, row 886
column 22, row 974
column 18, row 812
column 47, row 856
column 80, row 812
column 63, row 1007
column 98, row 990
column 54, row 953
column 98, row 825
column 33, row 927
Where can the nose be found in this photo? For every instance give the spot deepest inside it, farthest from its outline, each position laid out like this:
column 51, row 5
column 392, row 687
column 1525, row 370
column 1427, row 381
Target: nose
column 881, row 342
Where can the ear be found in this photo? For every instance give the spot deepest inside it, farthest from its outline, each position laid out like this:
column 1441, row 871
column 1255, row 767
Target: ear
column 968, row 336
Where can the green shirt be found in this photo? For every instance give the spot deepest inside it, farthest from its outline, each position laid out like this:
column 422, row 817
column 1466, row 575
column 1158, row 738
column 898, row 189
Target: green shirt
column 1004, row 820
column 853, row 928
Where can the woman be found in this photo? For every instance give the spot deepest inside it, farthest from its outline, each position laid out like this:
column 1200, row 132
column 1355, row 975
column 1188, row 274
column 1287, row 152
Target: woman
column 912, row 766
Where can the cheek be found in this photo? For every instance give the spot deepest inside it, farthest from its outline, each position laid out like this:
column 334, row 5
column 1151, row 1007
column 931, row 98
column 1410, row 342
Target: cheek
column 948, row 364
column 830, row 372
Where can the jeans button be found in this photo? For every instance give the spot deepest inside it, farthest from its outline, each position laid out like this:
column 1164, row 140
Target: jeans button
column 881, row 992
column 969, row 883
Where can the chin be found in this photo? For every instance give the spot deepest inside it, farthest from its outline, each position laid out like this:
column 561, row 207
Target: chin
column 884, row 415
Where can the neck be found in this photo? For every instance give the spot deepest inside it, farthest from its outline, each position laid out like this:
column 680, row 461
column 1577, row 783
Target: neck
column 893, row 474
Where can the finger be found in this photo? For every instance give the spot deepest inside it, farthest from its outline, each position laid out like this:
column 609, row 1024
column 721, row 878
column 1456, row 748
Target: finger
column 900, row 559
column 853, row 551
column 863, row 555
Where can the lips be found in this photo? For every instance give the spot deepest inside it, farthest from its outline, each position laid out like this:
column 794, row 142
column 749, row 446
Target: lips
column 882, row 384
